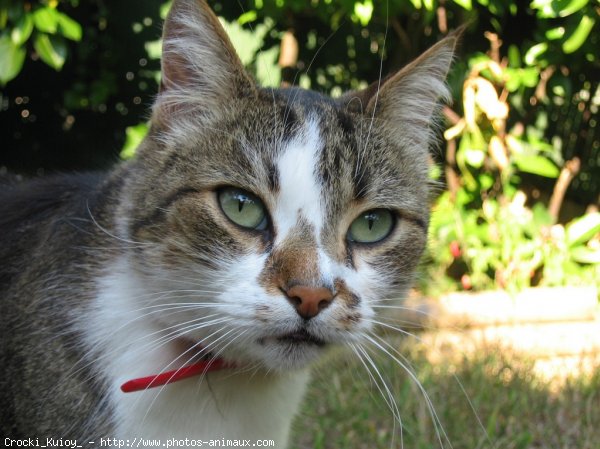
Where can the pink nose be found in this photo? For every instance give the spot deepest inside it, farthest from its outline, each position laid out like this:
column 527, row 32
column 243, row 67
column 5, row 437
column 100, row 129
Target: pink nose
column 309, row 301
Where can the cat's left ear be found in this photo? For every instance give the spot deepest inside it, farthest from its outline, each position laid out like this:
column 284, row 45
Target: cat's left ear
column 201, row 71
column 406, row 101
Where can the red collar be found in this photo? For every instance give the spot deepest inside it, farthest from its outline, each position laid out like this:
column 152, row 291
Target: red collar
column 168, row 377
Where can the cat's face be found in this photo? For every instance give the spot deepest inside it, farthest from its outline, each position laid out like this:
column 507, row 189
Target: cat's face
column 272, row 224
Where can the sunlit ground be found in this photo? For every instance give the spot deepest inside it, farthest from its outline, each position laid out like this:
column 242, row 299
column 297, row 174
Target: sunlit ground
column 487, row 400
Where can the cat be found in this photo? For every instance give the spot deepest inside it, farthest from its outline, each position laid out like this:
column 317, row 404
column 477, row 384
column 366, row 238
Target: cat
column 255, row 230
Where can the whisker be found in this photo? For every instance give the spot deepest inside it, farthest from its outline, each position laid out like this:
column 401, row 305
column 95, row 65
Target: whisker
column 152, row 345
column 389, row 400
column 405, row 365
column 361, row 154
column 105, row 231
column 394, row 328
column 291, row 101
column 203, row 349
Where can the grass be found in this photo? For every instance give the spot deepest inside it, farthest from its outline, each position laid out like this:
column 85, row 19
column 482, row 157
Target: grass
column 492, row 400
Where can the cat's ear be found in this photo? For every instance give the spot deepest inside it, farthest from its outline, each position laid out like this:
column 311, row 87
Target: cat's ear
column 200, row 68
column 407, row 99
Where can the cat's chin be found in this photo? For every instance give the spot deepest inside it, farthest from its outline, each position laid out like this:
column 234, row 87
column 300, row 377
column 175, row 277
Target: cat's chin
column 299, row 338
column 289, row 355
column 293, row 351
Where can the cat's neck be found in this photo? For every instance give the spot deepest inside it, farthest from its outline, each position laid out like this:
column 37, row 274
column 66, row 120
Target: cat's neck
column 242, row 403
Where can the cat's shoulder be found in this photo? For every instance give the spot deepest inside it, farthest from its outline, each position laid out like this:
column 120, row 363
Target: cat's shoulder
column 38, row 199
column 34, row 212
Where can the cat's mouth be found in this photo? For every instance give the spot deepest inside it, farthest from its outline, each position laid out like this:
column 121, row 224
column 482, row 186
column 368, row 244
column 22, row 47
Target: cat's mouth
column 301, row 336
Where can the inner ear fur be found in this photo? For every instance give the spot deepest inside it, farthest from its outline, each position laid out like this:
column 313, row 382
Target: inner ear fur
column 200, row 68
column 407, row 99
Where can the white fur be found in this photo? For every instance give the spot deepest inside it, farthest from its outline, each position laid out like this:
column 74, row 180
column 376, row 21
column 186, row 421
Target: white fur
column 363, row 280
column 300, row 193
column 225, row 404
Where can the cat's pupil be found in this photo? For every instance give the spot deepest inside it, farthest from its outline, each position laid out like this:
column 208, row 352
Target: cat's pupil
column 243, row 208
column 371, row 219
column 372, row 226
column 243, row 200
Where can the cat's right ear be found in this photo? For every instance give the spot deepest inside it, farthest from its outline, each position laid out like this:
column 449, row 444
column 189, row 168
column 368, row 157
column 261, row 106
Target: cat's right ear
column 405, row 102
column 200, row 69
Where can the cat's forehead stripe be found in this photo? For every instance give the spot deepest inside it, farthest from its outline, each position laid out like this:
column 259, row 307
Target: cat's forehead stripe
column 300, row 193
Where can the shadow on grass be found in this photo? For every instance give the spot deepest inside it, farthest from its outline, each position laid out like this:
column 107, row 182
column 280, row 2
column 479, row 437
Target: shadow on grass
column 492, row 400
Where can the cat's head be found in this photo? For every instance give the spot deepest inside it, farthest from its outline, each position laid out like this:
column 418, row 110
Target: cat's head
column 273, row 223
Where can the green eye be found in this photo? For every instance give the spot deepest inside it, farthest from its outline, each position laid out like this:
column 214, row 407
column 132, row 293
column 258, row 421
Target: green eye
column 243, row 208
column 372, row 226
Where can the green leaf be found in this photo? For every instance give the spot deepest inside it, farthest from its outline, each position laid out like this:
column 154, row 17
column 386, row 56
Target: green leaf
column 516, row 78
column 541, row 215
column 534, row 52
column 537, row 165
column 52, row 50
column 247, row 43
column 583, row 254
column 69, row 28
column 578, row 37
column 551, row 9
column 22, row 30
column 513, row 79
column 555, row 33
column 364, row 11
column 164, row 9
column 582, row 229
column 3, row 16
column 46, row 20
column 435, row 172
column 474, row 157
column 154, row 49
column 569, row 7
column 133, row 137
column 267, row 70
column 514, row 56
column 247, row 17
column 530, row 76
column 11, row 59
column 465, row 4
column 486, row 181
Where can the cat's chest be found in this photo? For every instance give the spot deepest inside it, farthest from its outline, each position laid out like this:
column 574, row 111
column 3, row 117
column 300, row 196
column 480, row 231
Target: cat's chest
column 221, row 406
column 241, row 404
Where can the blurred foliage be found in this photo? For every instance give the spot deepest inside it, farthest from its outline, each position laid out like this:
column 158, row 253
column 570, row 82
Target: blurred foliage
column 77, row 79
column 75, row 75
column 484, row 235
column 43, row 26
column 509, row 246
